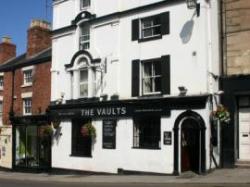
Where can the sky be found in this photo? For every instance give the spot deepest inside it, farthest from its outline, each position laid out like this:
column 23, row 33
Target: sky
column 15, row 18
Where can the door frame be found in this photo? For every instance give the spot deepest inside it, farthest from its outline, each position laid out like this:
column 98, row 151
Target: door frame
column 177, row 142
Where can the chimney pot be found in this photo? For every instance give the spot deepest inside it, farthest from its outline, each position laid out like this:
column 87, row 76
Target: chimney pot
column 6, row 39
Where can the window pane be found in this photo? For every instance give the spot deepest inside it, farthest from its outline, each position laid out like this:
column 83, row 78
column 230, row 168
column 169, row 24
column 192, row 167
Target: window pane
column 156, row 20
column 81, row 145
column 157, row 68
column 84, row 90
column 32, row 155
column 20, row 148
column 147, row 69
column 1, row 81
column 147, row 23
column 85, row 3
column 157, row 30
column 147, row 85
column 157, row 84
column 84, row 75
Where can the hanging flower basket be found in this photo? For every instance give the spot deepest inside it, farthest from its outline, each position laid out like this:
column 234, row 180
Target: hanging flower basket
column 221, row 114
column 56, row 124
column 47, row 130
column 88, row 130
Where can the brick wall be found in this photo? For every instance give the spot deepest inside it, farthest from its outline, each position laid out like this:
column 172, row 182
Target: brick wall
column 40, row 89
column 236, row 17
column 7, row 50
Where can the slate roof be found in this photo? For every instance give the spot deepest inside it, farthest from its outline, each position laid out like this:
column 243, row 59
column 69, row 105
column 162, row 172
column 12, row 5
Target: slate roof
column 22, row 60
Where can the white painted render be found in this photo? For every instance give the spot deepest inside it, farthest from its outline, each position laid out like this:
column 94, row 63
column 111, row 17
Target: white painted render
column 124, row 156
column 191, row 63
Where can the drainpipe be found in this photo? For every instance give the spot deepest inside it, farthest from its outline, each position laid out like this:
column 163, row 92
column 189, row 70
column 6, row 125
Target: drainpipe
column 11, row 115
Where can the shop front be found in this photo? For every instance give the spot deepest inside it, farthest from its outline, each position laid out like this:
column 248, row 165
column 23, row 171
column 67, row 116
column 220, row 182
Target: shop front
column 159, row 135
column 31, row 143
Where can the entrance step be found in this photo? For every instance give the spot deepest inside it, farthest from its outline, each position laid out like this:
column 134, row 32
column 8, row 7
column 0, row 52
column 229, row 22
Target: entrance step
column 242, row 164
column 187, row 175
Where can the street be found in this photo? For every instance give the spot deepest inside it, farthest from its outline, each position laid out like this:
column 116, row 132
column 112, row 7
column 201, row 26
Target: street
column 21, row 183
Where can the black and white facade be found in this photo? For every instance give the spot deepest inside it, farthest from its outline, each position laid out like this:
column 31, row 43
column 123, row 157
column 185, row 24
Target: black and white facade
column 142, row 73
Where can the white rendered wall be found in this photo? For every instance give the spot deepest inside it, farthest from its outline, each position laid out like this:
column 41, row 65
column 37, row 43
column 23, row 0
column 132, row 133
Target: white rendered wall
column 124, row 156
column 190, row 62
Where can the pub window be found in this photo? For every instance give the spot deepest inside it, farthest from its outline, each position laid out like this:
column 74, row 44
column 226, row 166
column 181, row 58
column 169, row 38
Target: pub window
column 146, row 133
column 81, row 145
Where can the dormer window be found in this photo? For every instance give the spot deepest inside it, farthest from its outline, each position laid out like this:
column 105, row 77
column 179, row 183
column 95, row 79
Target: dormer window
column 84, row 37
column 85, row 4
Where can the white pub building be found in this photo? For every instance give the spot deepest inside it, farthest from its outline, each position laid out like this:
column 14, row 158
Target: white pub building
column 134, row 83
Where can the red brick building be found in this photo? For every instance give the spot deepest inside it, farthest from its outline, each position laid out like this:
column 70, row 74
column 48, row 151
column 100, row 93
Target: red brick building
column 25, row 92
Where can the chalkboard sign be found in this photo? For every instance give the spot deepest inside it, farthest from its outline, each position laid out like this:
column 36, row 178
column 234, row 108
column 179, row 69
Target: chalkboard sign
column 109, row 134
column 167, row 138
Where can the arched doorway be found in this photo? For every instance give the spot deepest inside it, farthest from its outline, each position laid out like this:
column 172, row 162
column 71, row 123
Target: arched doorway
column 189, row 143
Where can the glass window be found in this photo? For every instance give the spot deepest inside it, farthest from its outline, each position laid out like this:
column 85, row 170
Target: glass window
column 147, row 133
column 85, row 3
column 85, row 38
column 81, row 145
column 83, row 83
column 151, row 77
column 27, row 104
column 1, row 82
column 151, row 27
column 27, row 77
column 1, row 108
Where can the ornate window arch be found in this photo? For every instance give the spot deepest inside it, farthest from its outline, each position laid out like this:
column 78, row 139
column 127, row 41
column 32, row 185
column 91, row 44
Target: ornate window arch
column 83, row 77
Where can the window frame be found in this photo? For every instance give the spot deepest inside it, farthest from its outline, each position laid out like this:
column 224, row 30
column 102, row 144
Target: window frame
column 86, row 82
column 28, row 80
column 138, row 135
column 1, row 82
column 1, row 107
column 83, row 5
column 153, row 76
column 78, row 140
column 84, row 44
column 151, row 27
column 27, row 107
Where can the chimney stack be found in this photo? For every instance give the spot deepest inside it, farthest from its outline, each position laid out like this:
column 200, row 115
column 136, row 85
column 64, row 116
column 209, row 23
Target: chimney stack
column 39, row 37
column 7, row 49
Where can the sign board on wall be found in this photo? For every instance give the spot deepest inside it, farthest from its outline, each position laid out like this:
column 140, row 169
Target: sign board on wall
column 167, row 138
column 109, row 134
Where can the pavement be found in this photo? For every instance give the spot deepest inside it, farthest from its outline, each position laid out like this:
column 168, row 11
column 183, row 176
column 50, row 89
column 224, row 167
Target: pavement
column 218, row 176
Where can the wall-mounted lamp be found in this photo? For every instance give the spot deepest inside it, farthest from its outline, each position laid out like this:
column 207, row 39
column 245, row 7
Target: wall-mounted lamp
column 192, row 4
column 183, row 90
